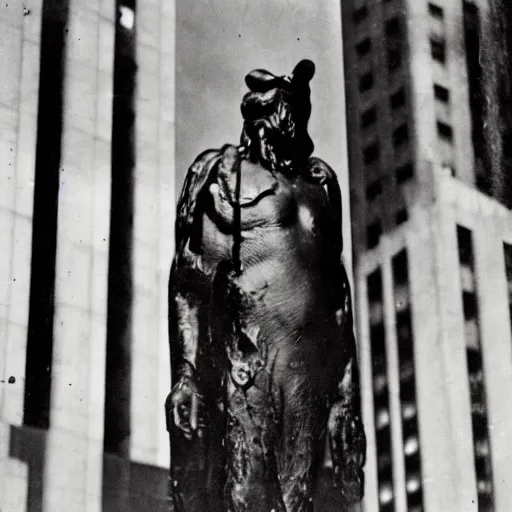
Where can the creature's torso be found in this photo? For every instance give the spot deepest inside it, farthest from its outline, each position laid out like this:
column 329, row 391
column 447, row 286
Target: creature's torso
column 285, row 279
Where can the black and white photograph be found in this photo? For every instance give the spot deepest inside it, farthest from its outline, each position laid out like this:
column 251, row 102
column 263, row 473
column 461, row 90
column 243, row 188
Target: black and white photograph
column 256, row 256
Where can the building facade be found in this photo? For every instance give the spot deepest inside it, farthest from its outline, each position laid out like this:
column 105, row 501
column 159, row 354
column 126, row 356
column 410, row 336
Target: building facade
column 431, row 259
column 86, row 209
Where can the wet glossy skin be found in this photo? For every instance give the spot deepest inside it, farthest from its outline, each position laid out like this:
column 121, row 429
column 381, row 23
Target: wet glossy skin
column 268, row 349
column 282, row 254
column 262, row 347
column 285, row 277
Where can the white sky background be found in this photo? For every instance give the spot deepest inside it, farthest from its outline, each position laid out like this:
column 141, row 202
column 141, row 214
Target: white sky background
column 219, row 42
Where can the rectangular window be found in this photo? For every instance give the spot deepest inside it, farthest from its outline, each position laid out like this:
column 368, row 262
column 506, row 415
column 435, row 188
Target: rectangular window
column 400, row 135
column 441, row 93
column 369, row 117
column 408, row 402
column 397, row 99
column 438, row 50
column 392, row 28
column 373, row 190
column 435, row 11
column 381, row 397
column 373, row 232
column 394, row 59
column 371, row 153
column 364, row 47
column 481, row 444
column 393, row 31
column 360, row 14
column 366, row 82
column 445, row 131
column 404, row 172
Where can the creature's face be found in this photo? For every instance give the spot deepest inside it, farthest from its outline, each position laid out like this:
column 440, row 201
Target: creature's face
column 274, row 142
column 276, row 112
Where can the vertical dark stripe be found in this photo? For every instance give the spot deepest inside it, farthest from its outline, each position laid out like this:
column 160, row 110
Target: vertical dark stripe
column 407, row 374
column 120, row 285
column 476, row 376
column 38, row 368
column 381, row 393
column 507, row 249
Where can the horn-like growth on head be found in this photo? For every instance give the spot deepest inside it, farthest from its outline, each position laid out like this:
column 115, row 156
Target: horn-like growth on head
column 276, row 113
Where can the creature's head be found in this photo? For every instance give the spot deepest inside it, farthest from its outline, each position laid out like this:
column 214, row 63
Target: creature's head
column 276, row 113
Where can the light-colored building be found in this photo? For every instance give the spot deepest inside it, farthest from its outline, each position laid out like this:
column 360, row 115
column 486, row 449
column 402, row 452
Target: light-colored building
column 432, row 260
column 86, row 209
column 88, row 184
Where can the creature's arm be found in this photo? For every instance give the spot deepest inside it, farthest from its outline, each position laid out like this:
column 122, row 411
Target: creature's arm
column 346, row 431
column 345, row 427
column 188, row 293
column 182, row 402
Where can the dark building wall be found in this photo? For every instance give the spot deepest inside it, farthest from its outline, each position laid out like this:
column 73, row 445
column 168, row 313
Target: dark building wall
column 496, row 84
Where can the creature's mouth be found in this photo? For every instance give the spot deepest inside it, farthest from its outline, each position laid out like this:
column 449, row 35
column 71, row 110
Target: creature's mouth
column 254, row 188
column 245, row 201
column 255, row 184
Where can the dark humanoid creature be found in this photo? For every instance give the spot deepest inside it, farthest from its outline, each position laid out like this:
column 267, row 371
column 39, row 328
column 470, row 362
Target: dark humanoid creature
column 263, row 354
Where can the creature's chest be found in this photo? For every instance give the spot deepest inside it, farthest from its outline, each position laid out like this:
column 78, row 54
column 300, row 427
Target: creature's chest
column 287, row 222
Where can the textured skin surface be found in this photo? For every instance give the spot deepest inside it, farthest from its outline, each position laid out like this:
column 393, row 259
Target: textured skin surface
column 267, row 356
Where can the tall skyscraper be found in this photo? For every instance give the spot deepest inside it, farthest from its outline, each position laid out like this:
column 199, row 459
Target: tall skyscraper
column 86, row 215
column 432, row 255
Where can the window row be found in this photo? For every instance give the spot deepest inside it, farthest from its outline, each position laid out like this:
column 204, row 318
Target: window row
column 409, row 412
column 476, row 378
column 394, row 39
column 383, row 438
column 405, row 341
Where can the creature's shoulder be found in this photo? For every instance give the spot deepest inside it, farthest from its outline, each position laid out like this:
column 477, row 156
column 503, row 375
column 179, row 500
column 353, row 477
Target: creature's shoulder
column 322, row 173
column 199, row 176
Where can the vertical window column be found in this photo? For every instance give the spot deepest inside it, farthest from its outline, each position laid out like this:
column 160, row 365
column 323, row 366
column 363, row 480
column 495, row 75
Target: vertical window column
column 481, row 445
column 409, row 409
column 394, row 36
column 380, row 393
column 38, row 366
column 120, row 289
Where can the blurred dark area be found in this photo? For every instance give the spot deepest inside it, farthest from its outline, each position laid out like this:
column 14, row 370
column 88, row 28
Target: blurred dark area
column 489, row 46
